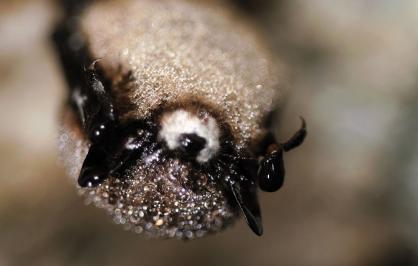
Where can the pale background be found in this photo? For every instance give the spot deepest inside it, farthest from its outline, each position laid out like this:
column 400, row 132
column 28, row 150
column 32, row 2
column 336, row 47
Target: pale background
column 350, row 195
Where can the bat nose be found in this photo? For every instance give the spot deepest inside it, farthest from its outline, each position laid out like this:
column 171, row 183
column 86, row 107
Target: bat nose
column 190, row 144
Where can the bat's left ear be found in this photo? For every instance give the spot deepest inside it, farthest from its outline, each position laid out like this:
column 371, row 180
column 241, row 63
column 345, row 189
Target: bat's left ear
column 271, row 171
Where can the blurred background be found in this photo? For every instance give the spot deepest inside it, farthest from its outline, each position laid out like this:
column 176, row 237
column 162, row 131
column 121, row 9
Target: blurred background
column 350, row 195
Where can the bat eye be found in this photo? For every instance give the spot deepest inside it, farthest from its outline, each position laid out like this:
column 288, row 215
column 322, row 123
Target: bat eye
column 191, row 144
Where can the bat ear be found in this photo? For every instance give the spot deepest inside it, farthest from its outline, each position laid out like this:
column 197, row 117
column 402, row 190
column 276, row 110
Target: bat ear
column 246, row 197
column 107, row 156
column 271, row 172
column 101, row 161
column 94, row 170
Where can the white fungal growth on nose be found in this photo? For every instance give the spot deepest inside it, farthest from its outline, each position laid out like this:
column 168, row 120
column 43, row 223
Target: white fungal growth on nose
column 179, row 122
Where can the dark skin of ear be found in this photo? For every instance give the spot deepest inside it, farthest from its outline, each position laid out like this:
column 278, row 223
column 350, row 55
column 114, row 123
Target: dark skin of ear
column 271, row 171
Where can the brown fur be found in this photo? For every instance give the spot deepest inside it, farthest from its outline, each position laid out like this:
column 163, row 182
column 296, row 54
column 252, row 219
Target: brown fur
column 171, row 51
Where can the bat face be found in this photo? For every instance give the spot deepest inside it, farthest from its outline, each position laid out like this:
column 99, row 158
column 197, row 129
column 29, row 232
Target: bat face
column 173, row 183
column 163, row 114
